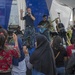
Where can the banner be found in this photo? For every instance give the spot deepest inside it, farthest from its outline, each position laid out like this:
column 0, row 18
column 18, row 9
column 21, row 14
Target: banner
column 5, row 8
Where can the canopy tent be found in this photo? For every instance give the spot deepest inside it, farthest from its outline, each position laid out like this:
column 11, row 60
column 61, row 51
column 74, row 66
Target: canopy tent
column 21, row 5
column 69, row 3
column 65, row 13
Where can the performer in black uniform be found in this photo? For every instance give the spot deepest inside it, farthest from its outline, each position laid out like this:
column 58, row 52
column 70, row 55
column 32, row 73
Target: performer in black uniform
column 44, row 27
column 29, row 34
column 61, row 31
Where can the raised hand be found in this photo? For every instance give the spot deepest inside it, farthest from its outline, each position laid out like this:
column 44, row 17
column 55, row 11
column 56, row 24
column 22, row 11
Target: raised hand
column 14, row 37
column 21, row 10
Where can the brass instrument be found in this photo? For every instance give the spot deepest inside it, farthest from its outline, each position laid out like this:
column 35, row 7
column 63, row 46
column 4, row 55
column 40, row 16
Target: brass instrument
column 51, row 26
column 69, row 38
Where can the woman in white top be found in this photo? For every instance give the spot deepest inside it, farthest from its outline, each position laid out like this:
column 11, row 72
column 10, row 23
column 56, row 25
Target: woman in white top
column 19, row 65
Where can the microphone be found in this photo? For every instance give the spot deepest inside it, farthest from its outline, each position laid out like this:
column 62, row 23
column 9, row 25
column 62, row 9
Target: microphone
column 26, row 13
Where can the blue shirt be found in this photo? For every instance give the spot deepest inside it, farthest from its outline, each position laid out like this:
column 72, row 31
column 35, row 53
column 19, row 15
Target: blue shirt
column 17, row 60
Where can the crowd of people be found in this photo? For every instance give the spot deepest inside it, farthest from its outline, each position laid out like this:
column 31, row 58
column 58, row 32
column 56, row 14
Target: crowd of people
column 37, row 53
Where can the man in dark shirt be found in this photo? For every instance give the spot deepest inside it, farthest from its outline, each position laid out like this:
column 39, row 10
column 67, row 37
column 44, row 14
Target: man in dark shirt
column 29, row 34
column 29, row 17
column 44, row 26
column 61, row 31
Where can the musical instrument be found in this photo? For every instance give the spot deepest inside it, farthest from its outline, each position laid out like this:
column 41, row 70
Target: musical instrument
column 43, row 28
column 54, row 20
column 68, row 40
column 62, row 29
column 51, row 27
column 69, row 35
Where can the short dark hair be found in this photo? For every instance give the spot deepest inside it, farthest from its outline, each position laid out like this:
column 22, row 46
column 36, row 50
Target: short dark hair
column 44, row 16
column 28, row 8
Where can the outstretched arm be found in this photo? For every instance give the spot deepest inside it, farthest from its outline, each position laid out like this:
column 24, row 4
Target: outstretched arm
column 21, row 14
column 27, row 58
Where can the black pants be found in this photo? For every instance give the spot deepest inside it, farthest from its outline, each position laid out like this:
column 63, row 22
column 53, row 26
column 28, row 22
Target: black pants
column 9, row 73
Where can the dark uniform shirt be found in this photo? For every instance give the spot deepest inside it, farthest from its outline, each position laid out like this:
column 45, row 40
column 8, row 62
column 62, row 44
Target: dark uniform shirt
column 29, row 34
column 60, row 59
column 60, row 27
column 29, row 21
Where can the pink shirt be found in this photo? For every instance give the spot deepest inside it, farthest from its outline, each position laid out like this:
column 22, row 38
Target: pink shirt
column 69, row 50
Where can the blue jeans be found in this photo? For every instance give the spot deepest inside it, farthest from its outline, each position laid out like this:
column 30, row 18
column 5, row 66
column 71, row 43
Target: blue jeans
column 61, row 71
column 35, row 72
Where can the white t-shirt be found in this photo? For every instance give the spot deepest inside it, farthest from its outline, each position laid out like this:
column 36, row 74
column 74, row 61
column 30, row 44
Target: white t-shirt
column 20, row 68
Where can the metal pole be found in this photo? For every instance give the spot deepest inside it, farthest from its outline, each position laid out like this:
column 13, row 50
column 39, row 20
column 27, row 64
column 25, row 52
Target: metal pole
column 73, row 15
